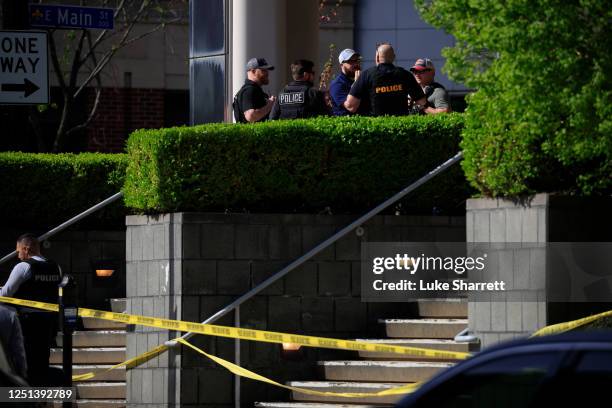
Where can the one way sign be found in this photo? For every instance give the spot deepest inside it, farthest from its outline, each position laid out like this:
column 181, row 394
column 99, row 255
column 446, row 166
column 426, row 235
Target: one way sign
column 24, row 70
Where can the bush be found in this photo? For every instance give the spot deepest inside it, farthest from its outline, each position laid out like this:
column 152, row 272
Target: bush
column 42, row 190
column 541, row 120
column 346, row 164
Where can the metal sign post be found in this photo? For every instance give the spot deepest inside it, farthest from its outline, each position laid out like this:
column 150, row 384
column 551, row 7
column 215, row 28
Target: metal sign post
column 68, row 313
column 24, row 70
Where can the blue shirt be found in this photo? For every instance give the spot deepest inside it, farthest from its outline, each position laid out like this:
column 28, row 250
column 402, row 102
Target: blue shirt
column 338, row 91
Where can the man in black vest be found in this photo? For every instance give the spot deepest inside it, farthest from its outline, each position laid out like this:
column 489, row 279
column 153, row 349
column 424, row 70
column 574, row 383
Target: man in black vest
column 35, row 278
column 437, row 97
column 300, row 99
column 251, row 103
column 385, row 86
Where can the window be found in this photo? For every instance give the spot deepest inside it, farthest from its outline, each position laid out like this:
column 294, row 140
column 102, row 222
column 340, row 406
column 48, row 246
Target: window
column 511, row 382
column 589, row 381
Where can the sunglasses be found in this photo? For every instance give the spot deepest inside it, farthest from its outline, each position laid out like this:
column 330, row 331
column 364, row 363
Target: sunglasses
column 422, row 71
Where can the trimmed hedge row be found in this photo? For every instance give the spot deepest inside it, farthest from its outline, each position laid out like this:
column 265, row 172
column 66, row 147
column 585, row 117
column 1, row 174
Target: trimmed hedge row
column 42, row 190
column 340, row 164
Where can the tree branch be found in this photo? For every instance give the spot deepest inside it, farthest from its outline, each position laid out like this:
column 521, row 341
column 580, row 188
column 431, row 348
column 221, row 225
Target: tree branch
column 104, row 32
column 109, row 54
column 55, row 61
column 76, row 61
column 92, row 112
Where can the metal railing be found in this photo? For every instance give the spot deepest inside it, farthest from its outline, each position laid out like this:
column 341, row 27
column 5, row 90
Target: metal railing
column 329, row 241
column 71, row 221
column 235, row 305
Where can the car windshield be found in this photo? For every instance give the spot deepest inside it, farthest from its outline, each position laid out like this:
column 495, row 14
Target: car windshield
column 511, row 381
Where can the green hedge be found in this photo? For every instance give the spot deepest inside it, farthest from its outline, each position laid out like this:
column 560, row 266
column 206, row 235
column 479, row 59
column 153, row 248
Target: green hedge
column 42, row 190
column 340, row 164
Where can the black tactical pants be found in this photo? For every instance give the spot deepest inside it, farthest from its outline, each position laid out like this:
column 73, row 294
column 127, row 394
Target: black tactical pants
column 39, row 330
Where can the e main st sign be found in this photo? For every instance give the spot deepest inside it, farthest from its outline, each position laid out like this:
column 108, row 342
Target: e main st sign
column 63, row 16
column 24, row 70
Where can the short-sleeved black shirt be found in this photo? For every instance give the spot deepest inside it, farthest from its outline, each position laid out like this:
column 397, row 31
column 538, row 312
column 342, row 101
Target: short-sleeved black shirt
column 252, row 96
column 385, row 88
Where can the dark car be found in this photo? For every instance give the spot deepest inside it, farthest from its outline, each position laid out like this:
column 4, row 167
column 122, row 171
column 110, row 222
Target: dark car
column 567, row 370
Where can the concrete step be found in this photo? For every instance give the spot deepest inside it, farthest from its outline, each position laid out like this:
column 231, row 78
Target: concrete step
column 457, row 308
column 91, row 323
column 436, row 344
column 101, row 338
column 102, row 355
column 328, row 386
column 101, row 390
column 383, row 371
column 117, row 375
column 311, row 405
column 90, row 403
column 118, row 305
column 424, row 328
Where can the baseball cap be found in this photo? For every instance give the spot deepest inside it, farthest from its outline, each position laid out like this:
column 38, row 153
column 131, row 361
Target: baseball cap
column 258, row 63
column 422, row 64
column 347, row 54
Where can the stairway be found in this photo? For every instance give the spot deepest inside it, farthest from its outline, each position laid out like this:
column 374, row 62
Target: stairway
column 439, row 321
column 99, row 346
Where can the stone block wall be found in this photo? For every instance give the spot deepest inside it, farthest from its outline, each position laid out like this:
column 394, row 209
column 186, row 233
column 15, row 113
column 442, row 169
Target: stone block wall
column 188, row 266
column 542, row 218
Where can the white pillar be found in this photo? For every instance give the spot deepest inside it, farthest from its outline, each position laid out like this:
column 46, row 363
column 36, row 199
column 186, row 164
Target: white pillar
column 259, row 30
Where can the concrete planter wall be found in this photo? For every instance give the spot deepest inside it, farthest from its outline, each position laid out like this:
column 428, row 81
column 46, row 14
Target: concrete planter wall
column 188, row 266
column 543, row 218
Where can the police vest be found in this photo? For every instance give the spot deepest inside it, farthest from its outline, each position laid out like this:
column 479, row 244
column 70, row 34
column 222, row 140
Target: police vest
column 389, row 92
column 429, row 89
column 294, row 102
column 42, row 285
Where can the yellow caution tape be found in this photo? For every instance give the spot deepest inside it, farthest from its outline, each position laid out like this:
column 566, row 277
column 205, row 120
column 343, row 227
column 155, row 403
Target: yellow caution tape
column 566, row 326
column 251, row 334
column 272, row 337
column 131, row 363
column 243, row 372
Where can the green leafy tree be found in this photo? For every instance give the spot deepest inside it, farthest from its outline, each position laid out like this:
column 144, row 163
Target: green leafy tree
column 541, row 118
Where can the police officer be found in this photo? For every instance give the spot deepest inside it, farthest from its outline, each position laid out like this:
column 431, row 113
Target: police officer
column 251, row 103
column 424, row 72
column 11, row 337
column 385, row 86
column 35, row 278
column 300, row 99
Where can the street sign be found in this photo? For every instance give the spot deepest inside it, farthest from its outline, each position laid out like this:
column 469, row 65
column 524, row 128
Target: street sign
column 60, row 16
column 24, row 70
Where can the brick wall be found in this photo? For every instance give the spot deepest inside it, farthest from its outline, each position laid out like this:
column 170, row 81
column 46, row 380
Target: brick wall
column 121, row 111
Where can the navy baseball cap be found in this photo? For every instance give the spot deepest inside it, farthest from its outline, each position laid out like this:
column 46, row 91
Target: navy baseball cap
column 258, row 63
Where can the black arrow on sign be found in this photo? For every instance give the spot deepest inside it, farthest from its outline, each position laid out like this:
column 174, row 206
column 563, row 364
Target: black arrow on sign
column 28, row 87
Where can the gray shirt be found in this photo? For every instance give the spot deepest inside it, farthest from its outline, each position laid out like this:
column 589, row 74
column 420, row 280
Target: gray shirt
column 12, row 340
column 437, row 97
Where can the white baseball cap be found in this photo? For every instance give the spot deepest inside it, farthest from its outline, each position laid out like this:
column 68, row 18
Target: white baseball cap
column 346, row 55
